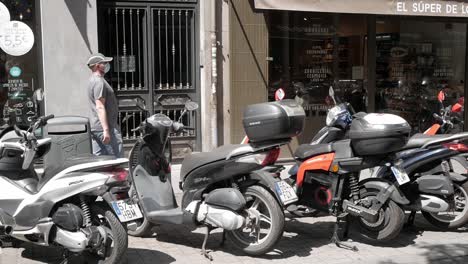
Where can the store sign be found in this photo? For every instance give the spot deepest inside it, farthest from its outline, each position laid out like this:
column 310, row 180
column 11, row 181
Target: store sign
column 385, row 7
column 16, row 38
column 4, row 14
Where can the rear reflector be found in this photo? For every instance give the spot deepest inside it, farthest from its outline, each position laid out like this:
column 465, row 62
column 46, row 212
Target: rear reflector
column 271, row 158
column 118, row 174
column 457, row 147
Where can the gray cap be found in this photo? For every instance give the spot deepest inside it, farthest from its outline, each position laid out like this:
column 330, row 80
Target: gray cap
column 98, row 58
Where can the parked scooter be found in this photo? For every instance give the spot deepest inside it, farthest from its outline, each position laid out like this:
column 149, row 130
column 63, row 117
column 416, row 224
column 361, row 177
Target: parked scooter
column 424, row 159
column 327, row 178
column 448, row 122
column 61, row 208
column 227, row 188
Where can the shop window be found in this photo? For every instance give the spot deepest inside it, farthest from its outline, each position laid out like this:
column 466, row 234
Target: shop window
column 20, row 95
column 418, row 61
column 308, row 53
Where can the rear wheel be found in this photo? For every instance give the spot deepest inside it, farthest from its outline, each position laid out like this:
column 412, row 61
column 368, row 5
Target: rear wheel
column 265, row 228
column 115, row 247
column 389, row 223
column 457, row 216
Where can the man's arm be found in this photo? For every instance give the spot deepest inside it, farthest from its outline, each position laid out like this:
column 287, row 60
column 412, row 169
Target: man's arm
column 102, row 115
column 101, row 111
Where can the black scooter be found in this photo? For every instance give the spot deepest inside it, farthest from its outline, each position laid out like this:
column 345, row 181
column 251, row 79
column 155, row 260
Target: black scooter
column 229, row 188
column 434, row 188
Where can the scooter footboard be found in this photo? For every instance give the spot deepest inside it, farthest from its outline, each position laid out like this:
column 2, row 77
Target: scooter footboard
column 154, row 191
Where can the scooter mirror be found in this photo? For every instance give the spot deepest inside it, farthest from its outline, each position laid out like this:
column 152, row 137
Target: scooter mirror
column 331, row 93
column 191, row 105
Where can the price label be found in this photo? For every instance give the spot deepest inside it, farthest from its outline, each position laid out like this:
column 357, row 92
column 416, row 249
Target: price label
column 16, row 38
column 4, row 14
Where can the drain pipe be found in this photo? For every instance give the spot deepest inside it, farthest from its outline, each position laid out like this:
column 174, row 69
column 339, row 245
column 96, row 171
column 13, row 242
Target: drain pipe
column 214, row 75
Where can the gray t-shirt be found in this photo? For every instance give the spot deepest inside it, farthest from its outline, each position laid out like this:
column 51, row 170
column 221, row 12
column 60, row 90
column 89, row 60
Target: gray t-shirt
column 98, row 87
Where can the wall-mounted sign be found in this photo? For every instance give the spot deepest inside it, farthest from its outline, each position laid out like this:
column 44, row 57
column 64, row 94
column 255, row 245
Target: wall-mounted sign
column 15, row 71
column 124, row 63
column 450, row 8
column 4, row 14
column 16, row 38
column 279, row 94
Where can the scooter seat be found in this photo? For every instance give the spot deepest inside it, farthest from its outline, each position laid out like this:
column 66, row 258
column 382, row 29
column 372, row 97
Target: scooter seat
column 419, row 140
column 305, row 151
column 197, row 160
column 52, row 170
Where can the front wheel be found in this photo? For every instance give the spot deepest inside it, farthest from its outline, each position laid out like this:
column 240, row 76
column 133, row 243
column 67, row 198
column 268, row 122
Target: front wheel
column 144, row 228
column 263, row 230
column 457, row 216
column 389, row 223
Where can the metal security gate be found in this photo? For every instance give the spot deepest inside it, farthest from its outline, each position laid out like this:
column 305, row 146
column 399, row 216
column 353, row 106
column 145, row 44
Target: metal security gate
column 154, row 69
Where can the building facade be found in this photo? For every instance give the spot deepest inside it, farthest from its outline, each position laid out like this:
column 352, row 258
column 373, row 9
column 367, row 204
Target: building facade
column 379, row 55
column 162, row 54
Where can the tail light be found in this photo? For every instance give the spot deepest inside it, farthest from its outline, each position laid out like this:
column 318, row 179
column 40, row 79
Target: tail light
column 271, row 157
column 457, row 147
column 263, row 159
column 118, row 174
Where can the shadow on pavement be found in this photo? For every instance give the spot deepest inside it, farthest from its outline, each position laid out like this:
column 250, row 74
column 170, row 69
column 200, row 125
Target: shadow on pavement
column 299, row 239
column 55, row 255
column 439, row 254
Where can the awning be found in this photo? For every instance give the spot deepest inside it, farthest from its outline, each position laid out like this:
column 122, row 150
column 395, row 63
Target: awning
column 444, row 8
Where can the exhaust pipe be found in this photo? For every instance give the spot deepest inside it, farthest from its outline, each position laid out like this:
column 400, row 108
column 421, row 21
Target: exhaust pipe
column 6, row 223
column 6, row 230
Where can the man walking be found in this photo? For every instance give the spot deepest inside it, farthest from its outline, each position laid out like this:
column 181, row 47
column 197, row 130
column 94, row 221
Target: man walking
column 106, row 136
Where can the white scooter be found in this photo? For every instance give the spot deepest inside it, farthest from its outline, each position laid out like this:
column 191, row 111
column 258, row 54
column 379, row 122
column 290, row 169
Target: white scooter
column 79, row 205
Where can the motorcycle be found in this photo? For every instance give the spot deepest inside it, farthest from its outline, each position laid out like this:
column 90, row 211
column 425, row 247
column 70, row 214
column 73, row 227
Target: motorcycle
column 229, row 188
column 77, row 206
column 423, row 158
column 327, row 177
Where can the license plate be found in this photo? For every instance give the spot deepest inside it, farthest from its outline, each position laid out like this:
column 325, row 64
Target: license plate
column 126, row 210
column 285, row 192
column 400, row 175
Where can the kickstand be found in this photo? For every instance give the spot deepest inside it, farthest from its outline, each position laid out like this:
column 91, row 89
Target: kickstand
column 65, row 255
column 336, row 239
column 204, row 252
column 411, row 218
column 223, row 239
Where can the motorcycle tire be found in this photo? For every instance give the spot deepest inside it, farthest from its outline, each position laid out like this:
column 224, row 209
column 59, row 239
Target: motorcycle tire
column 275, row 217
column 118, row 235
column 388, row 226
column 457, row 222
column 144, row 229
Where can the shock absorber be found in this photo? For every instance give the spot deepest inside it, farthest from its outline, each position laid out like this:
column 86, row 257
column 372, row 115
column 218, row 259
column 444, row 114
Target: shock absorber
column 86, row 212
column 354, row 186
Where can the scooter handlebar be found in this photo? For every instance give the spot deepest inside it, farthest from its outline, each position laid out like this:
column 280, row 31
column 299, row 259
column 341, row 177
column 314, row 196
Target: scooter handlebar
column 178, row 127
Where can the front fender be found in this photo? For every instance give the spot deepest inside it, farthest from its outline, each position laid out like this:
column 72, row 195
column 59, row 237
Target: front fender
column 268, row 179
column 385, row 186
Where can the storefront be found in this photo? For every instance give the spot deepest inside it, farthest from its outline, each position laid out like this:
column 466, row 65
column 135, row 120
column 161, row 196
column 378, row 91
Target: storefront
column 20, row 82
column 379, row 55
